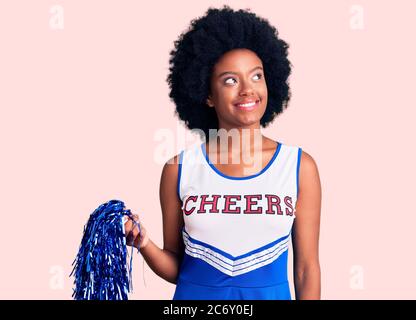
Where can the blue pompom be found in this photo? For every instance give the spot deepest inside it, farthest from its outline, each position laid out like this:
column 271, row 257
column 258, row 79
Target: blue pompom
column 101, row 270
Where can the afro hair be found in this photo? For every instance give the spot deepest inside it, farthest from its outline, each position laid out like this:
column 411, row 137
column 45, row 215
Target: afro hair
column 199, row 48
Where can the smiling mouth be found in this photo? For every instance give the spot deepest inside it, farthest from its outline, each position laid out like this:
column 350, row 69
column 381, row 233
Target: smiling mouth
column 247, row 106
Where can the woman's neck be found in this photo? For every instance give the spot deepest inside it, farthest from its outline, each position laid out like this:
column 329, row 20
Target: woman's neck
column 237, row 145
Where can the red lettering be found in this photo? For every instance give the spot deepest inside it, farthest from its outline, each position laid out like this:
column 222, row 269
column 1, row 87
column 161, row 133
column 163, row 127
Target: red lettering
column 250, row 202
column 212, row 202
column 288, row 202
column 228, row 202
column 273, row 201
column 190, row 198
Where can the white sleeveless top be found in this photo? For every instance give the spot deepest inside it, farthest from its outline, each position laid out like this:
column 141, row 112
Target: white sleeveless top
column 237, row 224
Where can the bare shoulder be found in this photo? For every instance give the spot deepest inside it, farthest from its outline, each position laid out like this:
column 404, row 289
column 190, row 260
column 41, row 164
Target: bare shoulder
column 171, row 167
column 309, row 184
column 169, row 179
column 171, row 206
column 307, row 163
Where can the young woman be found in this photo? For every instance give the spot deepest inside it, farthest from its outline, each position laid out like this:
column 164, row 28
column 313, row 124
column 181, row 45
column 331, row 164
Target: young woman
column 227, row 224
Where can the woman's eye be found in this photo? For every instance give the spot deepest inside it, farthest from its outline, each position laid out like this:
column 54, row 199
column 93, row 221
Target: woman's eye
column 259, row 75
column 227, row 82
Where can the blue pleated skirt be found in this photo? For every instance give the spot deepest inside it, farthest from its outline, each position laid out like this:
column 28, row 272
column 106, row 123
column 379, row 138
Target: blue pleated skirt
column 190, row 291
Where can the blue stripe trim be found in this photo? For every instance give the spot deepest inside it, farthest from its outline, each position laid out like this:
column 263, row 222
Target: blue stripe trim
column 297, row 171
column 231, row 257
column 272, row 272
column 179, row 173
column 241, row 178
column 273, row 253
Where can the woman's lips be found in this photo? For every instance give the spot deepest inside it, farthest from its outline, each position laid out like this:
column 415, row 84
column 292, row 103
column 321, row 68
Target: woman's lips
column 247, row 106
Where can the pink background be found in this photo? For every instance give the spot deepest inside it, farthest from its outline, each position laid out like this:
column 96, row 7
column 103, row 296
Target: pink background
column 81, row 107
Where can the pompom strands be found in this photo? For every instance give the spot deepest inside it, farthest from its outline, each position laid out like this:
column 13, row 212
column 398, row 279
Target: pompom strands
column 101, row 270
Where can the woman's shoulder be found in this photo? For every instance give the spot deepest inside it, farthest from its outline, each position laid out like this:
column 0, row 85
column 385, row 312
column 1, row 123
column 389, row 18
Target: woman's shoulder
column 172, row 165
column 308, row 167
column 169, row 176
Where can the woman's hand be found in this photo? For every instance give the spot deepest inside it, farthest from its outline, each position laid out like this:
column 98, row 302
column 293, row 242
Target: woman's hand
column 132, row 232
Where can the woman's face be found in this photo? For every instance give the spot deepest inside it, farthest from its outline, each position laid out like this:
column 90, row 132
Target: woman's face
column 238, row 90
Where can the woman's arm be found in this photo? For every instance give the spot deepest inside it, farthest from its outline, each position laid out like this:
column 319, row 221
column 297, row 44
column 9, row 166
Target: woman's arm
column 305, row 233
column 166, row 262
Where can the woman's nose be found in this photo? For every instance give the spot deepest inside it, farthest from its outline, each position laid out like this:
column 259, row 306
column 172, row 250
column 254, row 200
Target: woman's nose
column 246, row 89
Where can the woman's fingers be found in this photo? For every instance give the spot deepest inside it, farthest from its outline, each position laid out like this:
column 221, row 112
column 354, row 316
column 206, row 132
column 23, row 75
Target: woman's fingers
column 129, row 239
column 136, row 218
column 128, row 225
column 131, row 235
column 131, row 228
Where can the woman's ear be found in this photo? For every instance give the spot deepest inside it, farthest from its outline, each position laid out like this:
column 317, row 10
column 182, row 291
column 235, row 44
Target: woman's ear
column 209, row 102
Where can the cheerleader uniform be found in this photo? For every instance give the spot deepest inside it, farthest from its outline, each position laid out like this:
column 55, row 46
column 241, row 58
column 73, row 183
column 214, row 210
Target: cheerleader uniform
column 236, row 229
